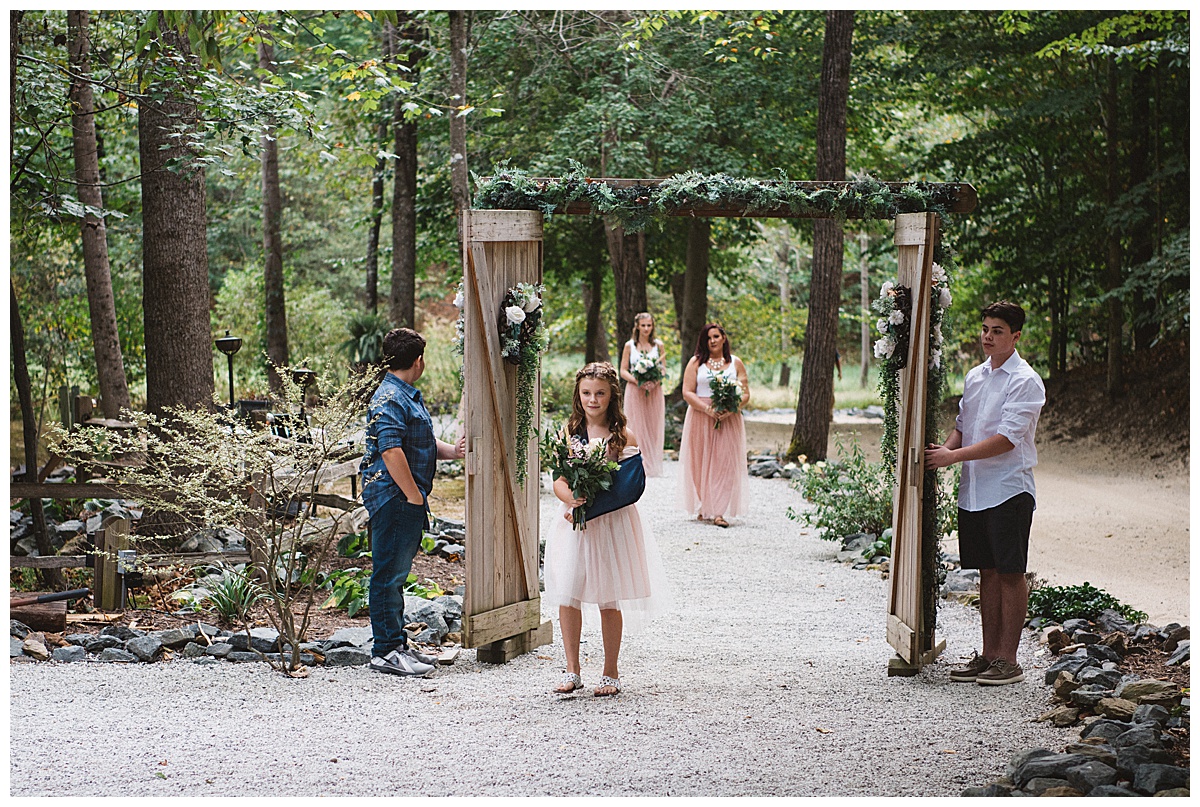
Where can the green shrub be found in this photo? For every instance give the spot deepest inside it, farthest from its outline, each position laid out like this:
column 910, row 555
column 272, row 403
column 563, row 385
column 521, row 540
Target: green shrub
column 847, row 498
column 1061, row 603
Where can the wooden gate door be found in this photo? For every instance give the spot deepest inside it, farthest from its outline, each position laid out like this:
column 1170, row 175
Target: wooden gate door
column 502, row 603
column 911, row 599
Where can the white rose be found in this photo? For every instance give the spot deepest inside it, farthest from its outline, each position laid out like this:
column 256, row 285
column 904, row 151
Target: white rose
column 459, row 300
column 887, row 287
column 514, row 314
column 896, row 318
column 937, row 337
column 532, row 303
column 944, row 298
column 881, row 325
column 939, row 274
column 885, row 347
column 935, row 359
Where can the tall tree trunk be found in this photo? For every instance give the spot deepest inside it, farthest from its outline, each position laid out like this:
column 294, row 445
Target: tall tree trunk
column 110, row 365
column 389, row 50
column 175, row 293
column 404, row 192
column 460, row 188
column 596, row 340
column 627, row 254
column 50, row 578
column 814, row 409
column 1112, row 262
column 272, row 211
column 1141, row 248
column 691, row 306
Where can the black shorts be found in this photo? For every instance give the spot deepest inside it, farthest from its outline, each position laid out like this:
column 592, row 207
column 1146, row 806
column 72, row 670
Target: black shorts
column 998, row 537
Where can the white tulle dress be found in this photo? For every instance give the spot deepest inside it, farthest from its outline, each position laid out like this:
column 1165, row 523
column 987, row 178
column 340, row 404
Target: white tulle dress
column 613, row 564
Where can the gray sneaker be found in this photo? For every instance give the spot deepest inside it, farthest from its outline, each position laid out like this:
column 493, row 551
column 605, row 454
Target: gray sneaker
column 418, row 656
column 999, row 672
column 397, row 663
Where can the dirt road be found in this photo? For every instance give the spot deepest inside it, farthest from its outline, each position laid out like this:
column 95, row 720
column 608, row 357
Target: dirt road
column 1118, row 522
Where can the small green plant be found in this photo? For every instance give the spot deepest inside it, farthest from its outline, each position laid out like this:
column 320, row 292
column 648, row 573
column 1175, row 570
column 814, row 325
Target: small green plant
column 354, row 545
column 231, row 595
column 428, row 590
column 428, row 542
column 847, row 498
column 349, row 589
column 1061, row 603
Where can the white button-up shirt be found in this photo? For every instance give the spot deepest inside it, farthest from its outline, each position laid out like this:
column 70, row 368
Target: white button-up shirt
column 1004, row 401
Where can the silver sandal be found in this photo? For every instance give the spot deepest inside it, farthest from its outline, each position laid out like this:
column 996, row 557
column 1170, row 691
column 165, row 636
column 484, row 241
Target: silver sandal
column 605, row 681
column 569, row 679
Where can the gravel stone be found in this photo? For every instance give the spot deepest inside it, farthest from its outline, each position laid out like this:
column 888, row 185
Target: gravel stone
column 701, row 714
column 69, row 653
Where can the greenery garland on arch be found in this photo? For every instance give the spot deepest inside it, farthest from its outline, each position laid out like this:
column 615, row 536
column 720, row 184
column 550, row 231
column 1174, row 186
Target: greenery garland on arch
column 635, row 207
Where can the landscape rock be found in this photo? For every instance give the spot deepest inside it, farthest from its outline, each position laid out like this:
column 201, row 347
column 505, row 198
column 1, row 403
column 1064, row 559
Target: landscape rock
column 1043, row 785
column 218, row 649
column 99, row 643
column 116, row 654
column 1116, row 708
column 1116, row 642
column 193, row 650
column 1152, row 778
column 1088, row 696
column 242, row 656
column 1104, row 753
column 177, row 637
column 1143, row 735
column 348, row 637
column 18, row 628
column 1109, row 679
column 1050, row 766
column 1072, row 625
column 346, row 657
column 1062, row 716
column 1109, row 621
column 1175, row 637
column 1129, row 759
column 1099, row 651
column 146, row 648
column 1091, row 774
column 451, row 606
column 1138, row 690
column 1182, row 653
column 264, row 640
column 16, row 647
column 1111, row 790
column 1069, row 664
column 122, row 632
column 32, row 647
column 206, row 660
column 992, row 790
column 1105, row 729
column 80, row 639
column 1086, row 637
column 1148, row 713
column 69, row 653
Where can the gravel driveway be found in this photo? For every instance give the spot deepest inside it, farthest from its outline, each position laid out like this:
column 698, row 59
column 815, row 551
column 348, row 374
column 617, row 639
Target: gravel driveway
column 769, row 678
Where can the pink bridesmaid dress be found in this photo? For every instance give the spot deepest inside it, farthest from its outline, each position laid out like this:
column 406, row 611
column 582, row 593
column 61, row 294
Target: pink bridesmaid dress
column 715, row 478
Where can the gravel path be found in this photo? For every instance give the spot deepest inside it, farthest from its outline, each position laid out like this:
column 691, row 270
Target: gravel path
column 768, row 678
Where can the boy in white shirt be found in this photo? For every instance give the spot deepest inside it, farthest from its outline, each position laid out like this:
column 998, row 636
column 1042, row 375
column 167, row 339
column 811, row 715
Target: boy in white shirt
column 993, row 439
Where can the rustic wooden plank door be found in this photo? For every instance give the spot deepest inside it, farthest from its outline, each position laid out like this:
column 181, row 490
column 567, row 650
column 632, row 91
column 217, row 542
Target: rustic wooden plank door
column 908, row 630
column 502, row 601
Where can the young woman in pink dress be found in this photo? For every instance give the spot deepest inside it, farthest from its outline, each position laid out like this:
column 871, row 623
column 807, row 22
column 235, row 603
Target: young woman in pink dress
column 714, row 483
column 645, row 404
column 613, row 564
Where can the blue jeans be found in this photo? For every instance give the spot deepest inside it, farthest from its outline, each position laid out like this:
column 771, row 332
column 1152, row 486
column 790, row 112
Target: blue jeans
column 396, row 530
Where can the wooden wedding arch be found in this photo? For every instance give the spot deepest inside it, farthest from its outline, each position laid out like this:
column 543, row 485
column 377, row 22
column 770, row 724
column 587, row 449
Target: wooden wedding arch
column 502, row 604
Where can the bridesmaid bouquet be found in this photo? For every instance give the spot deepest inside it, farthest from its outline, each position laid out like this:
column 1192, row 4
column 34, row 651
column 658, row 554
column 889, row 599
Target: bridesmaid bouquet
column 726, row 395
column 586, row 467
column 646, row 369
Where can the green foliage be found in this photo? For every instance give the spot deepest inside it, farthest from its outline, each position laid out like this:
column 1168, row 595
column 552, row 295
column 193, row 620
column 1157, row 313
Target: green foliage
column 365, row 345
column 847, row 498
column 354, row 545
column 231, row 595
column 349, row 589
column 428, row 589
column 1061, row 603
column 637, row 206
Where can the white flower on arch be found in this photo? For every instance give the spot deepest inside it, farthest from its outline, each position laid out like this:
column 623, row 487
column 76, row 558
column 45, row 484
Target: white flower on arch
column 514, row 314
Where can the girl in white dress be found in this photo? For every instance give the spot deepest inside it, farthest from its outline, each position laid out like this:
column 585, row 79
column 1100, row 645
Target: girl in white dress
column 612, row 565
column 645, row 404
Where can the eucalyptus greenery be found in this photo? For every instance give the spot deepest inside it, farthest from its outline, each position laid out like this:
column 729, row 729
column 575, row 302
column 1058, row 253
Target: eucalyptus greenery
column 636, row 206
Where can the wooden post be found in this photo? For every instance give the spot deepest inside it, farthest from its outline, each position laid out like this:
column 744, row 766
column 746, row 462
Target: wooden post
column 109, row 586
column 909, row 629
column 502, row 604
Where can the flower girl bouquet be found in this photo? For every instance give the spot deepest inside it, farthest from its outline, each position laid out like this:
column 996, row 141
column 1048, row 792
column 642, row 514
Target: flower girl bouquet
column 586, row 467
column 646, row 369
column 726, row 395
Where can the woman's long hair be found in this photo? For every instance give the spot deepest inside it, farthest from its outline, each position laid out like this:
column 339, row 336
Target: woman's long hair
column 616, row 413
column 702, row 343
column 638, row 318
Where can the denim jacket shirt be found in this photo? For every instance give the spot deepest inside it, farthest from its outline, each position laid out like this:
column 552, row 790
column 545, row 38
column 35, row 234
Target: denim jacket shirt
column 397, row 418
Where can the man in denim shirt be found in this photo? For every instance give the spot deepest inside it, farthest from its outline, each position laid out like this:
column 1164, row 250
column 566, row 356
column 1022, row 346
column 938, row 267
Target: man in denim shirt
column 397, row 471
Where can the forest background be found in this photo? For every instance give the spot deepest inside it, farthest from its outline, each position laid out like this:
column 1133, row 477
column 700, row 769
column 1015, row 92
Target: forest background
column 293, row 178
